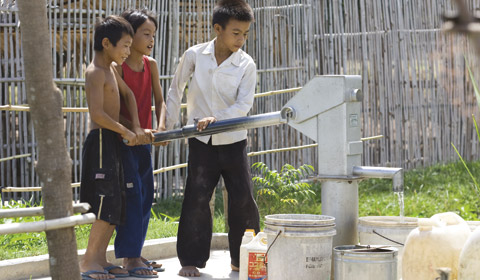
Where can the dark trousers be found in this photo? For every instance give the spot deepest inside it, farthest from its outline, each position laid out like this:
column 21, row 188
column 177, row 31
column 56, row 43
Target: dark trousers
column 137, row 165
column 205, row 165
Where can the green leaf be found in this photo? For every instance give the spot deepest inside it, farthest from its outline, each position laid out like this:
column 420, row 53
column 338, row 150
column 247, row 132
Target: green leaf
column 476, row 126
column 474, row 83
column 466, row 167
column 170, row 219
column 154, row 215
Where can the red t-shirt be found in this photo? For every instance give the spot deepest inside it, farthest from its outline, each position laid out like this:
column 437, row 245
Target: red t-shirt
column 141, row 85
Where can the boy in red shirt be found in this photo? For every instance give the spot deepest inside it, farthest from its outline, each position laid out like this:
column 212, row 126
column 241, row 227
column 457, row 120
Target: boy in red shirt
column 140, row 73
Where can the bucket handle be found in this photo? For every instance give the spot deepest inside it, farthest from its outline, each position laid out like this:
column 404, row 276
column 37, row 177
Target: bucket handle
column 396, row 242
column 269, row 247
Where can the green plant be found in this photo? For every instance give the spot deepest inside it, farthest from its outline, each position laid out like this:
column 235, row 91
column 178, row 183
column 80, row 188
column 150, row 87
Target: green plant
column 477, row 97
column 167, row 218
column 21, row 243
column 281, row 191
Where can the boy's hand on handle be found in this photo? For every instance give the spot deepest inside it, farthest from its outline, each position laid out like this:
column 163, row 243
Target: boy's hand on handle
column 144, row 136
column 129, row 138
column 203, row 123
column 149, row 137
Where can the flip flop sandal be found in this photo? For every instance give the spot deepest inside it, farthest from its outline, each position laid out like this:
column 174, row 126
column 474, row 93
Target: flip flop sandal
column 117, row 275
column 133, row 272
column 86, row 275
column 152, row 263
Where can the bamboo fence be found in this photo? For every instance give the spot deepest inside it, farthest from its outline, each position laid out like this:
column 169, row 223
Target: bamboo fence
column 416, row 89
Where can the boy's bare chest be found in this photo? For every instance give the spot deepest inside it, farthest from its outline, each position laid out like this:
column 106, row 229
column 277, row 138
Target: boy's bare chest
column 111, row 93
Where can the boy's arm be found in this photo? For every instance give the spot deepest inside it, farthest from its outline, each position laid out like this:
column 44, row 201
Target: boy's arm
column 94, row 87
column 175, row 93
column 244, row 101
column 126, row 93
column 126, row 122
column 160, row 108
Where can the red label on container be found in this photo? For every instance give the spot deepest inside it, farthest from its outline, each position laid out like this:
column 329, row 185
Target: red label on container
column 256, row 266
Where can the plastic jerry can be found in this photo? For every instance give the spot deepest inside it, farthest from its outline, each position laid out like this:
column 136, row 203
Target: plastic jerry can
column 252, row 262
column 247, row 238
column 435, row 243
column 469, row 262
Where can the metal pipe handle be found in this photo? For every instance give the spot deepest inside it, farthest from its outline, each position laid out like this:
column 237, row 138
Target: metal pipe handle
column 227, row 125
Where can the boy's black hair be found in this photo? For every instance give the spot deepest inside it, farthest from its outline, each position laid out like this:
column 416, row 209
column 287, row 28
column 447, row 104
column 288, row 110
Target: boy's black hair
column 113, row 28
column 231, row 9
column 139, row 17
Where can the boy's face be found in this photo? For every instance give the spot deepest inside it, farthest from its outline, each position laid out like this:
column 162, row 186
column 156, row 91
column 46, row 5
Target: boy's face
column 121, row 51
column 234, row 35
column 143, row 39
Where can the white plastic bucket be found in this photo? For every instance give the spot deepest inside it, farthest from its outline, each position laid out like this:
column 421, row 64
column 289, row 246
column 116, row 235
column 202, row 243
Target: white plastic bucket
column 365, row 263
column 392, row 227
column 299, row 246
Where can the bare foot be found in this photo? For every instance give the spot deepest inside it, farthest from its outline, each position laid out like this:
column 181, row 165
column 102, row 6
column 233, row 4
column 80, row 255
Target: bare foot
column 135, row 265
column 234, row 268
column 189, row 271
column 94, row 271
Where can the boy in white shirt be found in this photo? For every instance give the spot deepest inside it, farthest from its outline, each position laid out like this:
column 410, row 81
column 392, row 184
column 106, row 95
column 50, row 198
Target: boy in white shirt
column 222, row 85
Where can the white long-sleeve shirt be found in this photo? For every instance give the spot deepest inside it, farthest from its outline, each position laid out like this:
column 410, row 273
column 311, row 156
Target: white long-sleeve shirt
column 222, row 91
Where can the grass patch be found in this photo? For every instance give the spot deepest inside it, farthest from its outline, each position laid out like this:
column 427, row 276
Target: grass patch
column 431, row 190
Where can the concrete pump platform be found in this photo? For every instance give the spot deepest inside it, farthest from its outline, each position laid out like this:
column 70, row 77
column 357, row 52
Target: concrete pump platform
column 161, row 250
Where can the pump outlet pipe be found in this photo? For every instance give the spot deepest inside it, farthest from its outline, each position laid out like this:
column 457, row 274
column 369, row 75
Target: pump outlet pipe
column 396, row 174
column 233, row 124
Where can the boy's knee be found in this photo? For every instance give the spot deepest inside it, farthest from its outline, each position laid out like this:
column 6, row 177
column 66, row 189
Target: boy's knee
column 245, row 202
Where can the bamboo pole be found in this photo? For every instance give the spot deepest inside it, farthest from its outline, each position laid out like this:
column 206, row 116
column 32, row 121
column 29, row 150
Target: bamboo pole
column 25, row 108
column 15, row 157
column 184, row 165
column 30, row 189
column 38, row 211
column 47, row 225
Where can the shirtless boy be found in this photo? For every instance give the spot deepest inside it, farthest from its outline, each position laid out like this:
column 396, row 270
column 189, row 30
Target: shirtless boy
column 102, row 184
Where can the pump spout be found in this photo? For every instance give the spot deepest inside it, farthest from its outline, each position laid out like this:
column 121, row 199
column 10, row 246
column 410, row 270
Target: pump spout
column 396, row 174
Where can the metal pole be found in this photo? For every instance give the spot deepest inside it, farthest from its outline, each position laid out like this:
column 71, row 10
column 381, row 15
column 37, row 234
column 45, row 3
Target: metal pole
column 234, row 124
column 340, row 200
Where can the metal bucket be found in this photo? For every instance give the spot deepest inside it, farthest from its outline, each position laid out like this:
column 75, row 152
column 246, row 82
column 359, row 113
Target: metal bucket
column 365, row 262
column 299, row 246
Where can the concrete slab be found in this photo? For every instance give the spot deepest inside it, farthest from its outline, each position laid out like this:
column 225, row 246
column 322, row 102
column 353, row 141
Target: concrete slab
column 218, row 268
column 163, row 250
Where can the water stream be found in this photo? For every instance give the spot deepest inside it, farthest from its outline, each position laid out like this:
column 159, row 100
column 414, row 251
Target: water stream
column 401, row 205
